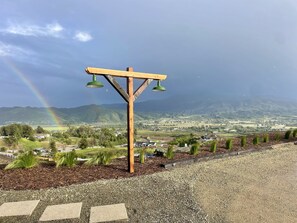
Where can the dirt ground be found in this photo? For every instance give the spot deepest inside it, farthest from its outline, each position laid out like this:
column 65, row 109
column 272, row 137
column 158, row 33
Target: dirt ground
column 253, row 188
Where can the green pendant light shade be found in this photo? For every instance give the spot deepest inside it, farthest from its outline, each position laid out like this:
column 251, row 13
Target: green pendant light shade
column 94, row 83
column 159, row 87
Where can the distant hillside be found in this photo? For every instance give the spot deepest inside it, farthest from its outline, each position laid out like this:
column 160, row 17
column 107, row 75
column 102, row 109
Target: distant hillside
column 116, row 113
column 241, row 107
column 83, row 114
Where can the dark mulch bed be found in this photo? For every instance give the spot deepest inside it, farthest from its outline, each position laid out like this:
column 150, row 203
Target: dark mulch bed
column 46, row 176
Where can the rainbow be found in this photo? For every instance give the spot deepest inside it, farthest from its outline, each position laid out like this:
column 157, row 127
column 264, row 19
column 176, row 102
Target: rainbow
column 35, row 92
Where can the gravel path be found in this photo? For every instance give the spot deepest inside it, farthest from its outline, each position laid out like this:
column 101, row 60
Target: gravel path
column 259, row 187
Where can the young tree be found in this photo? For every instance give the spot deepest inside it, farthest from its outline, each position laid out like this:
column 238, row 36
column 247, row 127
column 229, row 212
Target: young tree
column 52, row 146
column 27, row 131
column 288, row 134
column 243, row 141
column 229, row 144
column 83, row 143
column 11, row 141
column 39, row 130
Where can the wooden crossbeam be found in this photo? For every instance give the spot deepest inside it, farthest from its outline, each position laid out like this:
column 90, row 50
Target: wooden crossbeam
column 121, row 73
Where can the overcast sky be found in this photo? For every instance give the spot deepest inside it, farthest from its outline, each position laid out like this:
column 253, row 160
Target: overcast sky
column 217, row 47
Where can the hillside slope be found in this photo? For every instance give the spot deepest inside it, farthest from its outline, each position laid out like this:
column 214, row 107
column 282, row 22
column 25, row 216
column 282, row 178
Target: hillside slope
column 116, row 113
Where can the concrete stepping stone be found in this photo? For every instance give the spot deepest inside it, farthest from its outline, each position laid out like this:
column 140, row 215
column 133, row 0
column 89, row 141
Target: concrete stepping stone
column 61, row 212
column 20, row 208
column 114, row 212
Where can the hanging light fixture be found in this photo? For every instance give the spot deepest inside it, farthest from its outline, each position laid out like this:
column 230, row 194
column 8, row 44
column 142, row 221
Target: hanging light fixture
column 94, row 83
column 159, row 87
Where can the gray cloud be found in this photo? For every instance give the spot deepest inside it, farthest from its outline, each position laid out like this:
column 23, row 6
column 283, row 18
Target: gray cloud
column 9, row 50
column 82, row 36
column 51, row 29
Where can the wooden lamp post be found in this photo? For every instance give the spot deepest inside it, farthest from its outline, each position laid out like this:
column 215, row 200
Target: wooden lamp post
column 129, row 96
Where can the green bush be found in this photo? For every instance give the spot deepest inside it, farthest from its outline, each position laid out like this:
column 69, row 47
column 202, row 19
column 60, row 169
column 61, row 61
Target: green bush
column 294, row 133
column 266, row 138
column 142, row 156
column 32, row 138
column 102, row 158
column 52, row 147
column 213, row 147
column 256, row 140
column 243, row 141
column 170, row 153
column 3, row 149
column 277, row 137
column 229, row 144
column 83, row 143
column 24, row 160
column 66, row 159
column 288, row 134
column 195, row 149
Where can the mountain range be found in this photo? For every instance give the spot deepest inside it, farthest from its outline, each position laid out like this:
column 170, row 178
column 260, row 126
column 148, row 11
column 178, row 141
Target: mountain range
column 179, row 105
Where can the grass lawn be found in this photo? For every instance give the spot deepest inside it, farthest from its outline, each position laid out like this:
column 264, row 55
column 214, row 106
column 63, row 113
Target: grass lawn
column 29, row 145
column 2, row 143
column 55, row 128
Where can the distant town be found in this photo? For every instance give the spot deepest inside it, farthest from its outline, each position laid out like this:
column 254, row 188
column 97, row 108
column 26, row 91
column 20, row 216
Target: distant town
column 150, row 134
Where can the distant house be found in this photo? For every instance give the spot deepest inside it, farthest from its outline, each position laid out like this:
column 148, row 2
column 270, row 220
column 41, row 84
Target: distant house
column 145, row 144
column 41, row 152
column 68, row 148
column 42, row 136
column 207, row 138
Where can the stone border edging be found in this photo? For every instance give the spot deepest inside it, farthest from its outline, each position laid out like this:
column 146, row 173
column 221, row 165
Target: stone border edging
column 184, row 162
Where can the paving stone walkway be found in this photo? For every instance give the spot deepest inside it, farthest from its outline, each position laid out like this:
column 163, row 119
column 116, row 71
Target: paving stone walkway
column 21, row 208
column 107, row 213
column 70, row 211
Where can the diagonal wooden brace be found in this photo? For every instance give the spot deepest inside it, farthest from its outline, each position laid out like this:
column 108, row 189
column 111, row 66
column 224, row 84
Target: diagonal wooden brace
column 117, row 87
column 141, row 88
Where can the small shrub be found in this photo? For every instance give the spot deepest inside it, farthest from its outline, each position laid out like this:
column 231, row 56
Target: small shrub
column 142, row 156
column 52, row 147
column 294, row 133
column 243, row 141
column 170, row 153
column 103, row 158
column 256, row 140
column 66, row 159
column 195, row 149
column 32, row 138
column 213, row 147
column 277, row 137
column 24, row 160
column 229, row 143
column 288, row 134
column 266, row 138
column 3, row 149
column 83, row 143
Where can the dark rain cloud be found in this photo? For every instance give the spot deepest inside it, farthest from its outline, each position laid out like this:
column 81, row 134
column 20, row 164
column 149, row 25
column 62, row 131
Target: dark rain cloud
column 224, row 48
